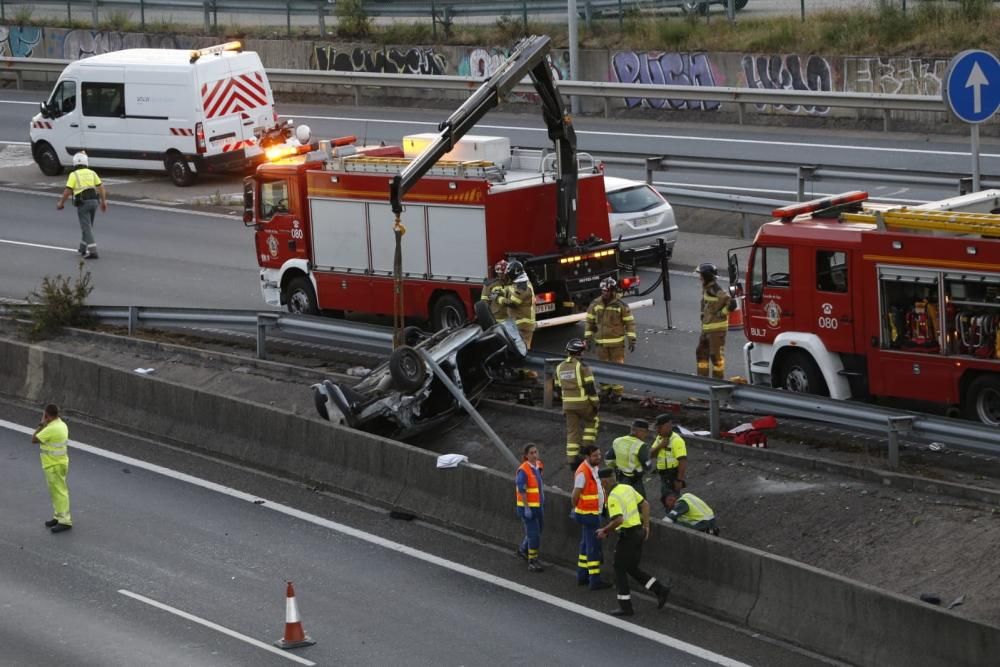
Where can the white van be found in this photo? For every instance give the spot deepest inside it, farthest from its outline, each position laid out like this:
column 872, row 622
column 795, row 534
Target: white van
column 187, row 112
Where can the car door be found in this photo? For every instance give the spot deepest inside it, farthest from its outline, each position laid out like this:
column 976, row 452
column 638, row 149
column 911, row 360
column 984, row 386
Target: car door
column 60, row 125
column 832, row 308
column 770, row 307
column 105, row 126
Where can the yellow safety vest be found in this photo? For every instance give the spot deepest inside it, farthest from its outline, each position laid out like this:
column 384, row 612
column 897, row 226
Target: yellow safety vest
column 52, row 442
column 698, row 509
column 666, row 458
column 626, row 449
column 83, row 179
column 572, row 377
column 624, row 500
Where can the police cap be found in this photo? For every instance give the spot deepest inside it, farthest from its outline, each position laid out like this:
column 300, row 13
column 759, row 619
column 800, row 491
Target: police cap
column 664, row 419
column 605, row 473
column 640, row 423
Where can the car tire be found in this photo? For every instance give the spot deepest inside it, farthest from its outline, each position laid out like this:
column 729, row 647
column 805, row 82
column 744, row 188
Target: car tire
column 48, row 160
column 447, row 312
column 799, row 373
column 484, row 316
column 300, row 298
column 412, row 336
column 407, row 369
column 179, row 170
column 982, row 400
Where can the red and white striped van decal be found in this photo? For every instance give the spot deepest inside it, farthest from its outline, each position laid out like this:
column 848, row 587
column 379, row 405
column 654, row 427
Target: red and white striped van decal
column 41, row 124
column 182, row 132
column 237, row 145
column 235, row 94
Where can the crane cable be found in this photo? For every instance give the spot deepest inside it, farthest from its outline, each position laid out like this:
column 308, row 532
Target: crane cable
column 397, row 284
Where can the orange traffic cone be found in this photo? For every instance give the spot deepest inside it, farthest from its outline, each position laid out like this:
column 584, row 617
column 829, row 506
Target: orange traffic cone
column 295, row 636
column 736, row 317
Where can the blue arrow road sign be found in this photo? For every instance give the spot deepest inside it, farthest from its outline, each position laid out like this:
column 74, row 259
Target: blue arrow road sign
column 972, row 85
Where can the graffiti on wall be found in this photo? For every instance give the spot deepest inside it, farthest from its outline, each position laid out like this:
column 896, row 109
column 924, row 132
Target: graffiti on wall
column 19, row 41
column 76, row 44
column 672, row 69
column 895, row 76
column 789, row 72
column 388, row 60
column 481, row 63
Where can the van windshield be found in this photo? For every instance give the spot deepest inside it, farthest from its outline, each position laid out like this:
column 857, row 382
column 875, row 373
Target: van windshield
column 634, row 199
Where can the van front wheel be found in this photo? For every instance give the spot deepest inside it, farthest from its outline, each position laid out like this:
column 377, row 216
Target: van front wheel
column 47, row 160
column 179, row 170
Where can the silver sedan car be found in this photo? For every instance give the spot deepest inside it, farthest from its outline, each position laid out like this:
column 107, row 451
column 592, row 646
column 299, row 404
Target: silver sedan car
column 639, row 215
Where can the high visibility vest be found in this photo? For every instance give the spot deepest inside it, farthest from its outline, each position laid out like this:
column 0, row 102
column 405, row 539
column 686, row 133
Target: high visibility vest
column 625, row 500
column 714, row 308
column 573, row 378
column 666, row 459
column 626, row 450
column 83, row 179
column 532, row 491
column 589, row 502
column 52, row 441
column 697, row 509
column 609, row 323
column 520, row 301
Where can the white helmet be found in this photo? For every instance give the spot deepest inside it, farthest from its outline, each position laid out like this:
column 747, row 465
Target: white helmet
column 80, row 160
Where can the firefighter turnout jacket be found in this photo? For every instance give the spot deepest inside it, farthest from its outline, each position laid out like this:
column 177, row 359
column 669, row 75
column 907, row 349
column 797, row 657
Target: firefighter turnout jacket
column 714, row 308
column 576, row 383
column 519, row 299
column 609, row 323
column 492, row 291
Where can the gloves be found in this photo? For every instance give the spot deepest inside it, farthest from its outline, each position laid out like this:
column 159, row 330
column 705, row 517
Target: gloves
column 631, row 344
column 527, row 513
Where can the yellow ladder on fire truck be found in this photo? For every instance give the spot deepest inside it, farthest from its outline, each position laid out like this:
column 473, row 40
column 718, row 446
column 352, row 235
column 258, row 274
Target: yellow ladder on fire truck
column 987, row 224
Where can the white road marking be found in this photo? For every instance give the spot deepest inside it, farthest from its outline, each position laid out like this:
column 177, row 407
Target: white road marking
column 15, row 143
column 215, row 626
column 150, row 207
column 37, row 245
column 644, row 633
column 18, row 102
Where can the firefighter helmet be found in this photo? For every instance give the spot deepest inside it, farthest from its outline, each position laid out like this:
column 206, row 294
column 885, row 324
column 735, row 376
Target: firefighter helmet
column 575, row 346
column 609, row 284
column 708, row 270
column 500, row 268
column 514, row 270
column 80, row 160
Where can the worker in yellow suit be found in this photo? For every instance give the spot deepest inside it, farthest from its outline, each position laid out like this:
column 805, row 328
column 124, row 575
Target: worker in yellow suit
column 519, row 298
column 52, row 436
column 714, row 323
column 580, row 400
column 494, row 289
column 610, row 327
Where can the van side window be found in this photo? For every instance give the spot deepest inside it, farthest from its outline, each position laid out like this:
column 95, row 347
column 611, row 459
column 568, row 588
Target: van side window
column 63, row 99
column 770, row 269
column 831, row 271
column 104, row 100
column 273, row 199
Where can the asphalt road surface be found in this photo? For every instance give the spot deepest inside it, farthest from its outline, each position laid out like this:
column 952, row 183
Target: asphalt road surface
column 167, row 569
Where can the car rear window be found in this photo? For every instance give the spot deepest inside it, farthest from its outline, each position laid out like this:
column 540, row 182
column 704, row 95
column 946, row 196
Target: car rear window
column 634, row 199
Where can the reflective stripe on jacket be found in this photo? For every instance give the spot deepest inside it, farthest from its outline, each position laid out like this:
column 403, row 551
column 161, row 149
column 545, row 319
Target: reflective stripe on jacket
column 609, row 323
column 714, row 308
column 491, row 288
column 697, row 509
column 520, row 301
column 83, row 179
column 52, row 440
column 624, row 500
column 589, row 502
column 532, row 489
column 576, row 382
column 626, row 449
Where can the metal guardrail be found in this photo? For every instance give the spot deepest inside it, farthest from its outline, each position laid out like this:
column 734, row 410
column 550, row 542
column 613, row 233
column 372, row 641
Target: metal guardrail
column 852, row 415
column 740, row 97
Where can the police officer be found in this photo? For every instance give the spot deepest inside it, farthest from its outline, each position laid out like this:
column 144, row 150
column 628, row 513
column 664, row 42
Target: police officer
column 494, row 288
column 610, row 324
column 670, row 453
column 519, row 298
column 51, row 437
column 580, row 401
column 629, row 456
column 714, row 323
column 629, row 514
column 690, row 511
column 85, row 186
column 588, row 504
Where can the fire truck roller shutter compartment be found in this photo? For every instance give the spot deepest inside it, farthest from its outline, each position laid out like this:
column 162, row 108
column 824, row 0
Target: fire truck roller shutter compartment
column 340, row 234
column 383, row 240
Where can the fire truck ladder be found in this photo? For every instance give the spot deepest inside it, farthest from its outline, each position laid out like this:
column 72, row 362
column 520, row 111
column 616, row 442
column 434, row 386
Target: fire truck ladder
column 986, row 224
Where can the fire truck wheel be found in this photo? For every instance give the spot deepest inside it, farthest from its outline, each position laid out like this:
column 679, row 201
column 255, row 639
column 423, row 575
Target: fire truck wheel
column 179, row 170
column 447, row 312
column 407, row 369
column 982, row 400
column 799, row 373
column 47, row 160
column 301, row 298
column 484, row 316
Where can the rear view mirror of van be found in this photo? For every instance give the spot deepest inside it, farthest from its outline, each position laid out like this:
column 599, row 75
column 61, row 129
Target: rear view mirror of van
column 44, row 108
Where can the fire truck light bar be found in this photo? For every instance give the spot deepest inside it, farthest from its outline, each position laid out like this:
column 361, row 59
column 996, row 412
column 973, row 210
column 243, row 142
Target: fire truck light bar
column 786, row 213
column 579, row 258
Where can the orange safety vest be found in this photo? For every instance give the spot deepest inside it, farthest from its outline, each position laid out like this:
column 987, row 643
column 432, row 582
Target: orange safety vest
column 531, row 490
column 589, row 500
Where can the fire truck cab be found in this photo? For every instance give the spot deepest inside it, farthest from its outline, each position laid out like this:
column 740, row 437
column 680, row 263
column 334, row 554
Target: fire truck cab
column 851, row 299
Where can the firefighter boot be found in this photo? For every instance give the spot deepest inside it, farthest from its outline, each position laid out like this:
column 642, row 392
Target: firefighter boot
column 624, row 607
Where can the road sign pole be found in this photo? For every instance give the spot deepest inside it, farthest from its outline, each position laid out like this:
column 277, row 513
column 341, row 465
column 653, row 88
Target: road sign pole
column 975, row 158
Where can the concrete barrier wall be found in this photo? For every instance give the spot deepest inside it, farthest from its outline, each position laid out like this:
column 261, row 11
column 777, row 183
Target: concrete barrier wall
column 820, row 611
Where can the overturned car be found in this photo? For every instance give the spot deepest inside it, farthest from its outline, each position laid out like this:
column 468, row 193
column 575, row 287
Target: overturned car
column 404, row 396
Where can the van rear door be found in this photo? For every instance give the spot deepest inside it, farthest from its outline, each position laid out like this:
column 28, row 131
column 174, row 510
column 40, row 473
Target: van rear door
column 233, row 96
column 256, row 99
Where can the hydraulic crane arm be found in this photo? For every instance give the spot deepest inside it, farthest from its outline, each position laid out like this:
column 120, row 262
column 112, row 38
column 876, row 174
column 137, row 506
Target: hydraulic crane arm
column 528, row 59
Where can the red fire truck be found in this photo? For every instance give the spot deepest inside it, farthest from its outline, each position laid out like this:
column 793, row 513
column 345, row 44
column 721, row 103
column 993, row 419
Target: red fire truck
column 851, row 299
column 325, row 238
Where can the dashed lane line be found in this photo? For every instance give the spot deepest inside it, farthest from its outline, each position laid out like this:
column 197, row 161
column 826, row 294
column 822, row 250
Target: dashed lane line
column 115, row 202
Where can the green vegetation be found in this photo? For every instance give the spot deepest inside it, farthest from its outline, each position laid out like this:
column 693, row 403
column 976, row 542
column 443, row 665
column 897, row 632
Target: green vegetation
column 59, row 303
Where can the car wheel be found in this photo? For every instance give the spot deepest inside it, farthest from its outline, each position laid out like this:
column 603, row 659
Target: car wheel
column 412, row 336
column 301, row 299
column 695, row 7
column 447, row 312
column 407, row 369
column 484, row 316
column 179, row 170
column 799, row 373
column 982, row 400
column 47, row 160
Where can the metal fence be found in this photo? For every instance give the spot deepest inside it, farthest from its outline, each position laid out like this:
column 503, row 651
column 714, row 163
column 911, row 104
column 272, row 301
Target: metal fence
column 861, row 417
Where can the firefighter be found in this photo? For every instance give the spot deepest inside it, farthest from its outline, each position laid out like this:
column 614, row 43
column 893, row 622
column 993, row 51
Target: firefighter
column 588, row 503
column 519, row 298
column 493, row 289
column 690, row 511
column 580, row 401
column 670, row 453
column 610, row 324
column 714, row 323
column 629, row 514
column 85, row 186
column 51, row 437
column 629, row 456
